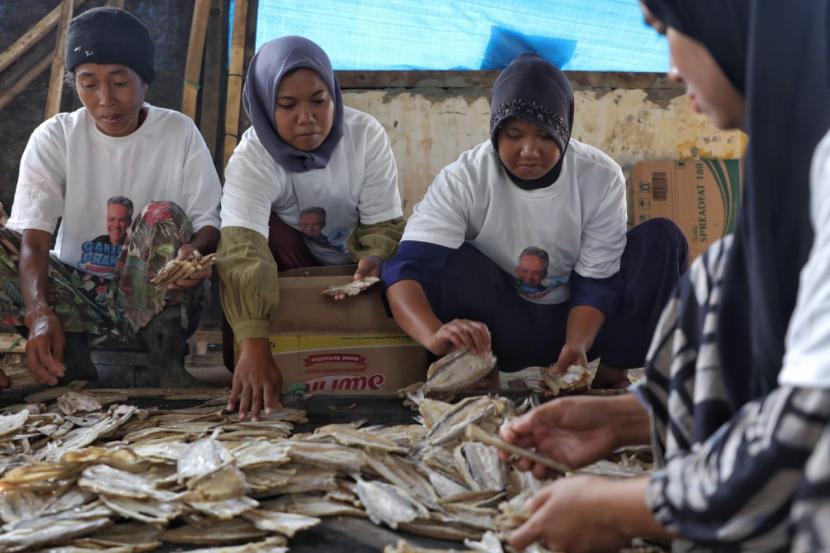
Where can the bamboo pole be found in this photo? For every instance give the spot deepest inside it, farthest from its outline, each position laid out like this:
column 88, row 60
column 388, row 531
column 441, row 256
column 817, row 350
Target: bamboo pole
column 53, row 98
column 24, row 81
column 195, row 52
column 31, row 37
column 240, row 17
column 214, row 64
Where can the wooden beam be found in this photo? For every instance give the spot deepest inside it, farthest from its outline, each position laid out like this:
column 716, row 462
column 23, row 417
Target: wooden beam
column 235, row 68
column 32, row 36
column 215, row 55
column 53, row 98
column 195, row 52
column 24, row 81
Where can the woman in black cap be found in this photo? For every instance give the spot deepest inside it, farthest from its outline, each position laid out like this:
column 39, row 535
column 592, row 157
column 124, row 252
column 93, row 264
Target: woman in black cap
column 522, row 244
column 89, row 169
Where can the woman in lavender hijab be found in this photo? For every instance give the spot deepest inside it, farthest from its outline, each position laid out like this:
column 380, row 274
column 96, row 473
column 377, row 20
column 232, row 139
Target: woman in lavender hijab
column 312, row 182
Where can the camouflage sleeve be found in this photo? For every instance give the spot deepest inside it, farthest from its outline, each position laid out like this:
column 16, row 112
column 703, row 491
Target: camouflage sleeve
column 380, row 239
column 248, row 277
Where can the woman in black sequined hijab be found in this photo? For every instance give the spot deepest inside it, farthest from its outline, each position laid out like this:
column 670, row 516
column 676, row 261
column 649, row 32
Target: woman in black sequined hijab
column 531, row 90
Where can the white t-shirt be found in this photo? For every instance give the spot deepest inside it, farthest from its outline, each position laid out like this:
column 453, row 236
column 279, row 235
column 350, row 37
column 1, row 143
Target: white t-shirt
column 578, row 223
column 70, row 170
column 359, row 185
column 807, row 356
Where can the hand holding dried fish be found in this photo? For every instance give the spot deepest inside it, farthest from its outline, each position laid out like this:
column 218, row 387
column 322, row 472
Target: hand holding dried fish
column 574, row 379
column 178, row 269
column 351, row 289
column 475, row 433
column 458, row 370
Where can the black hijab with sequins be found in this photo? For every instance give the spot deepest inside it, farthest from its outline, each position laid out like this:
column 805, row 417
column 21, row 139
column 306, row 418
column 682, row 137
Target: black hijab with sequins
column 534, row 90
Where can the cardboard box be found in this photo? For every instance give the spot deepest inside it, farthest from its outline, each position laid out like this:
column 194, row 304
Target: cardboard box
column 349, row 346
column 703, row 196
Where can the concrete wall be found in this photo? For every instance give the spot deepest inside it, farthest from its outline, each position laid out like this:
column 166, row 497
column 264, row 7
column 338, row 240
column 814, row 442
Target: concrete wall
column 430, row 127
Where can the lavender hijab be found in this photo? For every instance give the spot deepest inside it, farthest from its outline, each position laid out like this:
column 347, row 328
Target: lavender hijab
column 274, row 61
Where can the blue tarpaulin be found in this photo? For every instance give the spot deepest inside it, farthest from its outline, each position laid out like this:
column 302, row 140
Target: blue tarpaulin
column 586, row 35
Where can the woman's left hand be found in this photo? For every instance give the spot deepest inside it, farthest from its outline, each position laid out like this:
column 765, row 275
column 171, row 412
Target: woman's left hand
column 571, row 354
column 574, row 514
column 186, row 252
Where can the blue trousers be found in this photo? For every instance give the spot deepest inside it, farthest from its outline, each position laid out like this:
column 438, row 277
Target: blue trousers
column 524, row 334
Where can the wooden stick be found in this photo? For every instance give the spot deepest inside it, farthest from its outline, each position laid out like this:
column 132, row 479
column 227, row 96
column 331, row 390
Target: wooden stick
column 240, row 17
column 195, row 51
column 474, row 432
column 24, row 81
column 53, row 98
column 32, row 36
column 212, row 80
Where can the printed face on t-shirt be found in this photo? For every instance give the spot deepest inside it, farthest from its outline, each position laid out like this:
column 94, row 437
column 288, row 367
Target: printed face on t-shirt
column 118, row 220
column 531, row 270
column 312, row 222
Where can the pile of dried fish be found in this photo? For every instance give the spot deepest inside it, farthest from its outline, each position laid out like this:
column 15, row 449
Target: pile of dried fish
column 81, row 473
column 353, row 288
column 176, row 269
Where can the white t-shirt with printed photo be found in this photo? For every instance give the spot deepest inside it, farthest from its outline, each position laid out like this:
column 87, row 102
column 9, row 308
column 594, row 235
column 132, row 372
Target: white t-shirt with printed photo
column 358, row 186
column 538, row 237
column 71, row 170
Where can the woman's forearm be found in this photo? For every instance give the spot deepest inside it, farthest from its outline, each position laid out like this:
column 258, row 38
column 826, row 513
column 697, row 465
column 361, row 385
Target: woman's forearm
column 412, row 312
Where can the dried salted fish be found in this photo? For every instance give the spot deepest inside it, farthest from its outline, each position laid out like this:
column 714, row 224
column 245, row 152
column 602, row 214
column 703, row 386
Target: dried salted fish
column 463, row 414
column 214, row 532
column 575, row 378
column 489, row 543
column 162, row 451
column 85, row 545
column 457, row 371
column 481, row 466
column 9, row 424
column 404, row 546
column 225, row 509
column 312, row 505
column 51, row 394
column 513, row 513
column 180, row 269
column 388, row 503
column 405, row 475
column 202, row 458
column 84, row 436
column 144, row 510
column 404, row 435
column 45, row 530
column 72, row 402
column 17, row 505
column 274, row 544
column 468, row 515
column 353, row 288
column 286, row 524
column 255, row 454
column 440, row 530
column 225, row 483
column 306, row 479
column 105, row 480
column 445, row 486
column 326, row 455
column 127, row 533
column 267, row 478
column 350, row 436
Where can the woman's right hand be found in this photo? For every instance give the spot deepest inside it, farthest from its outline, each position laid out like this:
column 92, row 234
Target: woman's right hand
column 575, row 431
column 44, row 346
column 257, row 382
column 460, row 333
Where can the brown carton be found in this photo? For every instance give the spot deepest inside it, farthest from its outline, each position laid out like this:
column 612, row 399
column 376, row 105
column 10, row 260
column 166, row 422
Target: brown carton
column 703, row 196
column 349, row 346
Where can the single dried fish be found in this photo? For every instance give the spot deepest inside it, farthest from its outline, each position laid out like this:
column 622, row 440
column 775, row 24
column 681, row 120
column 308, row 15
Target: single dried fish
column 214, row 532
column 481, row 466
column 312, row 505
column 489, row 543
column 180, row 269
column 440, row 530
column 274, row 544
column 146, row 510
column 286, row 524
column 347, row 436
column 388, row 503
column 326, row 455
column 463, row 414
column 225, row 509
column 72, row 402
column 575, row 378
column 105, row 480
column 9, row 424
column 353, row 288
column 261, row 453
column 458, row 370
column 202, row 458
